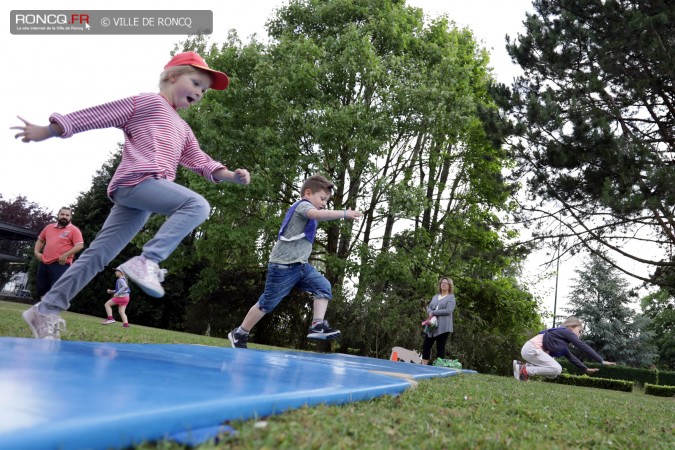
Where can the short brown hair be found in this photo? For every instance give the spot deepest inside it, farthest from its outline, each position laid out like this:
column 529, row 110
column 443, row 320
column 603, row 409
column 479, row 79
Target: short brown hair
column 317, row 183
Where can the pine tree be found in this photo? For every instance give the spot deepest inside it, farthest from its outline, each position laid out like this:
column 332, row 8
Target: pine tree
column 595, row 114
column 601, row 299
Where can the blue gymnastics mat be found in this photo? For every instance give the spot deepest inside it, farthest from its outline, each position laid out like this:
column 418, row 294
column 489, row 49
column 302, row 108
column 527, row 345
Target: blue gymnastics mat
column 91, row 395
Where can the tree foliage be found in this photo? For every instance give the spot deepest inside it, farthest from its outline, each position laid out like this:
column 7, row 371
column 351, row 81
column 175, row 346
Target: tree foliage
column 659, row 307
column 601, row 298
column 23, row 213
column 595, row 112
column 397, row 112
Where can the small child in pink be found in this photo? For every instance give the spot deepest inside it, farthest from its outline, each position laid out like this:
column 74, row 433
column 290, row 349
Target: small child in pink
column 120, row 298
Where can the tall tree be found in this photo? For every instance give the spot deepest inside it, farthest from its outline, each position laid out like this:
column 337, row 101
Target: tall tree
column 397, row 112
column 601, row 299
column 595, row 111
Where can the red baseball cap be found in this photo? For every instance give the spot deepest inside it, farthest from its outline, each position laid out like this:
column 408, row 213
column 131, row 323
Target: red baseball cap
column 220, row 80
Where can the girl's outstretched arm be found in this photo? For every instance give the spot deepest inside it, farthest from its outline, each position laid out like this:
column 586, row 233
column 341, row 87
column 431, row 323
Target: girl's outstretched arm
column 238, row 176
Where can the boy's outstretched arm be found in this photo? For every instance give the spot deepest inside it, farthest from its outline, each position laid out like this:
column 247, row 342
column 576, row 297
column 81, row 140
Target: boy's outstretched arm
column 333, row 214
column 30, row 132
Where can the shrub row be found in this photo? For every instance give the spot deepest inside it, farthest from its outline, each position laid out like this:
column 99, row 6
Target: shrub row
column 639, row 376
column 661, row 391
column 586, row 381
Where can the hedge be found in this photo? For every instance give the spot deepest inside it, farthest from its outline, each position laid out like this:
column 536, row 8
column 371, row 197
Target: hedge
column 661, row 391
column 586, row 381
column 639, row 376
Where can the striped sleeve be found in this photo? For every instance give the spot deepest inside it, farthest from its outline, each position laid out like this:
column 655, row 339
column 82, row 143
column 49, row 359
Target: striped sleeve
column 109, row 115
column 193, row 158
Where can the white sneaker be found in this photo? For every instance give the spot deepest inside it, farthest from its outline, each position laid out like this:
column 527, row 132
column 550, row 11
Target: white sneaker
column 44, row 326
column 108, row 321
column 516, row 370
column 146, row 274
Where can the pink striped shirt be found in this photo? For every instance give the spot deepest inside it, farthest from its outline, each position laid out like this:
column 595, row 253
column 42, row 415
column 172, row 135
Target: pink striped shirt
column 156, row 139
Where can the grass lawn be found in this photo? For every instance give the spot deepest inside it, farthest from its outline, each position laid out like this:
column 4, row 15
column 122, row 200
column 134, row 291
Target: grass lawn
column 461, row 412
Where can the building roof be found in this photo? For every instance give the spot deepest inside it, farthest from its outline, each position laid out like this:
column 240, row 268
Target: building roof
column 14, row 233
column 9, row 232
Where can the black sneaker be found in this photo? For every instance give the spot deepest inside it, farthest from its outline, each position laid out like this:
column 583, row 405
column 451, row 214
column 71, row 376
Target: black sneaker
column 238, row 340
column 322, row 331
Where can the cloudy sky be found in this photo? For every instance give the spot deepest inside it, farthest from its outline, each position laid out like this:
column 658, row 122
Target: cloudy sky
column 55, row 73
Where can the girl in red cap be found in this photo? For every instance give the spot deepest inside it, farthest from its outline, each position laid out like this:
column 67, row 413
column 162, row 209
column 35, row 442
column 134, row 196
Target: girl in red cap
column 156, row 141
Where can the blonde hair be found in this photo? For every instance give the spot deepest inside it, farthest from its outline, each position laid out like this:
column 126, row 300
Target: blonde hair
column 451, row 285
column 572, row 322
column 174, row 71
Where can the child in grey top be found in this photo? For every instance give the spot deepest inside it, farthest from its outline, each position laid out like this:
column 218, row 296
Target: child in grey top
column 288, row 250
column 288, row 266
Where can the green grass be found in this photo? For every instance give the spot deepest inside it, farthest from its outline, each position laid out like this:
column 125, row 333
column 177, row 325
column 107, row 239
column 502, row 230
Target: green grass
column 80, row 327
column 462, row 412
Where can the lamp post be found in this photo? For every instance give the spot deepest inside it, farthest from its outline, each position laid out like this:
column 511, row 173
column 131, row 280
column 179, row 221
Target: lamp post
column 557, row 269
column 555, row 296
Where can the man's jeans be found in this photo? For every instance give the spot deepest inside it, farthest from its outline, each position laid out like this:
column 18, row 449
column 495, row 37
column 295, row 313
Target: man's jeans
column 48, row 275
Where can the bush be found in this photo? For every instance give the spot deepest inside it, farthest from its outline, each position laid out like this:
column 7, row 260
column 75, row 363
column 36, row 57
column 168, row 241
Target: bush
column 665, row 378
column 661, row 391
column 586, row 381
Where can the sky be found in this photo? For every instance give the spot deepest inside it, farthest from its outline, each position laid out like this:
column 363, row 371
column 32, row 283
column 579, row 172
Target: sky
column 57, row 73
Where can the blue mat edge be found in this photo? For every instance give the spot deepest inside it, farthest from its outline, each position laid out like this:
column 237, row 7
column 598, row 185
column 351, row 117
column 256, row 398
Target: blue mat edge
column 161, row 425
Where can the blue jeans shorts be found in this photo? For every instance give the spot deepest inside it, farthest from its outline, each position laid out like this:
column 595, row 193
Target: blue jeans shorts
column 281, row 278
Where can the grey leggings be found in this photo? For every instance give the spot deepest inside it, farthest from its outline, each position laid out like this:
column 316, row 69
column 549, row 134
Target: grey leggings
column 133, row 206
